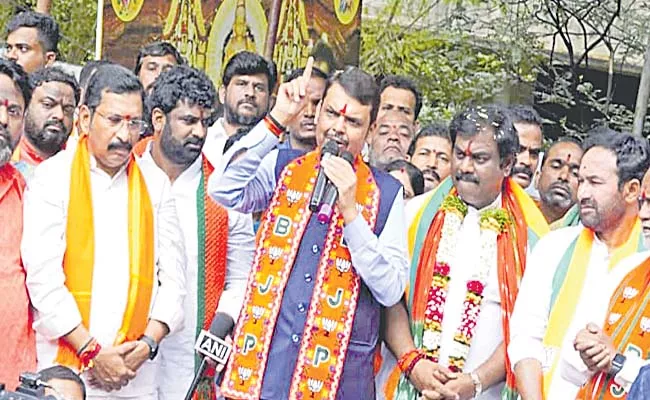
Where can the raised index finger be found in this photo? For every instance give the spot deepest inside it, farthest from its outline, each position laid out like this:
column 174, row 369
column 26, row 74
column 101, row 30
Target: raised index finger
column 306, row 75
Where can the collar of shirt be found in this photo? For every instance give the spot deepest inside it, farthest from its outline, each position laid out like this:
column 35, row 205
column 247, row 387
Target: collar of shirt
column 108, row 180
column 495, row 204
column 186, row 176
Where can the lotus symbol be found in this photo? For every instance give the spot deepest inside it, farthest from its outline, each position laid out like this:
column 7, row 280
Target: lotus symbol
column 629, row 293
column 258, row 311
column 645, row 325
column 343, row 265
column 293, row 196
column 329, row 325
column 244, row 374
column 275, row 252
column 314, row 385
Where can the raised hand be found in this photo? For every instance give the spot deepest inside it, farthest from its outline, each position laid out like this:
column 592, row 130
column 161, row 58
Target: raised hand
column 292, row 96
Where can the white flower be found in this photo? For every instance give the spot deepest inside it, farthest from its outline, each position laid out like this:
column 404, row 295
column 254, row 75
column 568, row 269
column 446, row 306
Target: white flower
column 430, row 340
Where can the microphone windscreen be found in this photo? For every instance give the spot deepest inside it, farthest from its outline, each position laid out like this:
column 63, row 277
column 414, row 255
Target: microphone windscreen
column 221, row 325
column 347, row 156
column 330, row 147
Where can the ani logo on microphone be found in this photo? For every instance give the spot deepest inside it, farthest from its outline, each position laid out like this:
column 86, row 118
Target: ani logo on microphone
column 213, row 347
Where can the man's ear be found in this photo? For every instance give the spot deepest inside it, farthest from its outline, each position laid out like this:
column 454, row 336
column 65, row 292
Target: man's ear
column 222, row 94
column 507, row 164
column 50, row 58
column 371, row 133
column 85, row 117
column 319, row 106
column 536, row 179
column 632, row 191
column 416, row 127
column 158, row 120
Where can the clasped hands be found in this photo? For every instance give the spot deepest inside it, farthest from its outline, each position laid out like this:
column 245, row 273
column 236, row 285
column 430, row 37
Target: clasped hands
column 596, row 349
column 436, row 382
column 115, row 366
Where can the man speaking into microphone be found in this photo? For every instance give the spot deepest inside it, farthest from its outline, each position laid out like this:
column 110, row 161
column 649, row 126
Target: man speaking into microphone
column 309, row 325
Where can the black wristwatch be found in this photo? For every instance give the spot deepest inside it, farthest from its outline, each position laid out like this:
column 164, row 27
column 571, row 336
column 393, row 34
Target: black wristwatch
column 617, row 364
column 153, row 346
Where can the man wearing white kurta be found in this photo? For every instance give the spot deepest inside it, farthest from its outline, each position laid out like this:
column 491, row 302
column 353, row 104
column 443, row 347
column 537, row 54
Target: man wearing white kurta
column 610, row 174
column 111, row 117
column 170, row 160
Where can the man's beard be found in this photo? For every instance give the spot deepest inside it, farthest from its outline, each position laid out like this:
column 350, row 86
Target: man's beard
column 47, row 142
column 6, row 146
column 176, row 151
column 235, row 118
column 555, row 200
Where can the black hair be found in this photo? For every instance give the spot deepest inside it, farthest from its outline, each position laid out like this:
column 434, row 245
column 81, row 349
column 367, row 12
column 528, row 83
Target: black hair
column 315, row 72
column 402, row 82
column 89, row 69
column 562, row 139
column 240, row 133
column 475, row 119
column 157, row 49
column 439, row 129
column 62, row 373
column 248, row 63
column 48, row 29
column 181, row 83
column 112, row 78
column 415, row 175
column 359, row 85
column 521, row 113
column 19, row 76
column 632, row 152
column 55, row 74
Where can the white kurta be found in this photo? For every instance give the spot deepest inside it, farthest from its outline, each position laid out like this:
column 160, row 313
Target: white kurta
column 44, row 244
column 177, row 351
column 488, row 334
column 530, row 317
column 215, row 142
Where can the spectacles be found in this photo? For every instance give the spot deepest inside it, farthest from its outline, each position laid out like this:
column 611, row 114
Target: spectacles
column 117, row 122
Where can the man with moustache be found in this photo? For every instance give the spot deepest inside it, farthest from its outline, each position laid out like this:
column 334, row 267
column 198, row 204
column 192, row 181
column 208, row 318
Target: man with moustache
column 48, row 118
column 529, row 128
column 577, row 320
column 32, row 40
column 430, row 151
column 390, row 139
column 310, row 320
column 247, row 83
column 301, row 132
column 557, row 182
column 469, row 243
column 399, row 94
column 219, row 242
column 105, row 268
column 16, row 334
column 153, row 59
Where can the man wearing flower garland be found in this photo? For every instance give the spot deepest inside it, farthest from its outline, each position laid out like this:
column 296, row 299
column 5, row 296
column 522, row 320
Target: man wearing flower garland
column 310, row 321
column 469, row 244
column 580, row 316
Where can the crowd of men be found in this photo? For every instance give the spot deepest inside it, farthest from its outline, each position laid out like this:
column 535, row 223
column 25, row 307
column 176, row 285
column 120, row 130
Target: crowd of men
column 130, row 202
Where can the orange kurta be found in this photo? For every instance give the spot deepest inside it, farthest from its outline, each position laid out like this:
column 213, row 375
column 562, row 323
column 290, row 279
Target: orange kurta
column 16, row 335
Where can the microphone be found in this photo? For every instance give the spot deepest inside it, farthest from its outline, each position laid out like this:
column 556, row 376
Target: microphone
column 331, row 194
column 210, row 345
column 329, row 147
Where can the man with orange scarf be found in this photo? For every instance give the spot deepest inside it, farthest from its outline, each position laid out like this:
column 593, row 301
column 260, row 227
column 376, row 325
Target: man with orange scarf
column 469, row 243
column 309, row 326
column 219, row 242
column 580, row 314
column 105, row 266
column 16, row 334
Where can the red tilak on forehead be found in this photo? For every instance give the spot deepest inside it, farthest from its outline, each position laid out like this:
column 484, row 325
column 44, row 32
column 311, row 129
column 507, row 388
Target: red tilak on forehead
column 568, row 158
column 127, row 118
column 468, row 150
column 5, row 102
column 644, row 196
column 344, row 109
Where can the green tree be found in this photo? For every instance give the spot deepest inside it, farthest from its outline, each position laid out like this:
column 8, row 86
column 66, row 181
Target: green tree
column 76, row 19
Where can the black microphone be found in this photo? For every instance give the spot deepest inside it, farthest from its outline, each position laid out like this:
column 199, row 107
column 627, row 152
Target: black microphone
column 331, row 194
column 329, row 147
column 210, row 345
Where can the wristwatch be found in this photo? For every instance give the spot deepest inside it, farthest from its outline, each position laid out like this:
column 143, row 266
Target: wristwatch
column 153, row 346
column 617, row 364
column 478, row 386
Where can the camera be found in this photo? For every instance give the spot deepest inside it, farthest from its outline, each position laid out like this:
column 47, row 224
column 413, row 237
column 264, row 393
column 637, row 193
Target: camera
column 31, row 388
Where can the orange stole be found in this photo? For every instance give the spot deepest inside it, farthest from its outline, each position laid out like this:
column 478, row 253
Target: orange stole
column 78, row 261
column 331, row 312
column 628, row 325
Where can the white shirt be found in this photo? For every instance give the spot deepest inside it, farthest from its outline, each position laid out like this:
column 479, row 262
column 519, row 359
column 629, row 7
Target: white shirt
column 177, row 351
column 44, row 243
column 532, row 308
column 214, row 142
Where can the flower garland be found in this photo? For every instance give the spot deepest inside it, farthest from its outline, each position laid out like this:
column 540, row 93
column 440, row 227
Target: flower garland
column 492, row 223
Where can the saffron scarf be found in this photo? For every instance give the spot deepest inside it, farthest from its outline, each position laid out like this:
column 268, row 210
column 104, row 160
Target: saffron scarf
column 528, row 225
column 628, row 324
column 331, row 312
column 79, row 258
column 567, row 284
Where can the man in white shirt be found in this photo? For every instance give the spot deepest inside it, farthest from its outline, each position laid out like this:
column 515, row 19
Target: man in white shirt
column 122, row 284
column 563, row 318
column 247, row 83
column 451, row 342
column 219, row 243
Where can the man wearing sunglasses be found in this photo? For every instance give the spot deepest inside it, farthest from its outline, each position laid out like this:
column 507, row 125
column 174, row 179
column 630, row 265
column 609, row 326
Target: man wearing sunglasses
column 105, row 268
column 529, row 128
